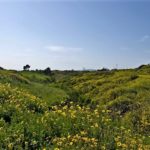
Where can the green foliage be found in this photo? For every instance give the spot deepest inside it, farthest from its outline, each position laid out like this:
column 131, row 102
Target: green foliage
column 75, row 110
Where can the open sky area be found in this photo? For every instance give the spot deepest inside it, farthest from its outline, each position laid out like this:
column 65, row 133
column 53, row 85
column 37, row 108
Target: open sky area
column 74, row 34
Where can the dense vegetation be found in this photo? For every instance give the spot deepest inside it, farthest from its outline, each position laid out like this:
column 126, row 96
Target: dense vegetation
column 68, row 110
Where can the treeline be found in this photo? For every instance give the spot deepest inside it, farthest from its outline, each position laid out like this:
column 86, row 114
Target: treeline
column 48, row 70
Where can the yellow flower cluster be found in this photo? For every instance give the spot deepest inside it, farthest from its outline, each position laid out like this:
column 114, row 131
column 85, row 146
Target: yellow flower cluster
column 76, row 141
column 65, row 126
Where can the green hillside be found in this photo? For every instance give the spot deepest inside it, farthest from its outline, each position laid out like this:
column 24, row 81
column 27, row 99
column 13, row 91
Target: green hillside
column 72, row 110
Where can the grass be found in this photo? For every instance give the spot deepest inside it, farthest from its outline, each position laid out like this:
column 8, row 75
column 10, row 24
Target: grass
column 75, row 110
column 34, row 83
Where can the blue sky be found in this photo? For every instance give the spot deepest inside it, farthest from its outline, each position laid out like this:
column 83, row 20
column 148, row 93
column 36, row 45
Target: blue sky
column 74, row 34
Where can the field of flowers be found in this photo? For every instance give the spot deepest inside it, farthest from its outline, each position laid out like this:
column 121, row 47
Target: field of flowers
column 29, row 122
column 26, row 122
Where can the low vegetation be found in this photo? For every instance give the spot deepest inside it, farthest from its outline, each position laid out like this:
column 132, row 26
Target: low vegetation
column 72, row 110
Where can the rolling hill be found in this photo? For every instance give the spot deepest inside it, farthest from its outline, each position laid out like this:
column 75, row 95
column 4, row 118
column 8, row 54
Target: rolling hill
column 104, row 109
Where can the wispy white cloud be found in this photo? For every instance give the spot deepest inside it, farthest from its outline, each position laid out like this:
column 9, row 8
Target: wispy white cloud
column 56, row 48
column 144, row 38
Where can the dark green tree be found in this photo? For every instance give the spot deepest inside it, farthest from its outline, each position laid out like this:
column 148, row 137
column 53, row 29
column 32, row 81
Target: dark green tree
column 26, row 67
column 48, row 71
column 1, row 68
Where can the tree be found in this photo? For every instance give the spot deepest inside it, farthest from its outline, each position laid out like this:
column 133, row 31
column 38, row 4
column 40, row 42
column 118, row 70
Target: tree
column 103, row 70
column 1, row 68
column 26, row 67
column 48, row 71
